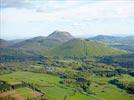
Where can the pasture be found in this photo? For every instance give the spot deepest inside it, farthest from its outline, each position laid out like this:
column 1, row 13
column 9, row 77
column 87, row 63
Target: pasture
column 53, row 90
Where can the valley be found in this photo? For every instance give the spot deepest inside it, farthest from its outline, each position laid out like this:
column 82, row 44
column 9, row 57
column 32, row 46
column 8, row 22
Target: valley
column 62, row 67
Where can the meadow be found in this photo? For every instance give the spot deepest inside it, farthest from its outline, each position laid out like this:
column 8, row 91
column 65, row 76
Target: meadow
column 53, row 90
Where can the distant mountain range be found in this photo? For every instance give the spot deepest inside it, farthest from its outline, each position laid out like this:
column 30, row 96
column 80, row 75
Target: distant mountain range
column 7, row 43
column 60, row 43
column 125, row 43
column 114, row 39
column 4, row 43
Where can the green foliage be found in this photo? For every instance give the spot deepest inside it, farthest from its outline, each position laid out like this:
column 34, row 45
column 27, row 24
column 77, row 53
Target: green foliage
column 96, row 88
column 124, row 82
column 77, row 47
column 125, row 60
column 17, row 55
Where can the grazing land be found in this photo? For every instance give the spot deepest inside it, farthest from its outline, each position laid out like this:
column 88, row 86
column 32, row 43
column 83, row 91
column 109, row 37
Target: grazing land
column 61, row 67
column 50, row 86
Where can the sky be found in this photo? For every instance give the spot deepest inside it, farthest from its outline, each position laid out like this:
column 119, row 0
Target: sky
column 82, row 18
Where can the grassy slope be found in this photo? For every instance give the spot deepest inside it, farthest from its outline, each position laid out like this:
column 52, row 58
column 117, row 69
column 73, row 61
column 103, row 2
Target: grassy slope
column 38, row 46
column 79, row 96
column 29, row 77
column 46, row 83
column 108, row 91
column 25, row 92
column 12, row 51
column 50, row 86
column 77, row 47
column 104, row 91
column 17, row 54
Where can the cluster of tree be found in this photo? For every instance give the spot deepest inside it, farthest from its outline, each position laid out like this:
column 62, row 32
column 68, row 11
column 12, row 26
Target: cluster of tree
column 18, row 58
column 101, row 69
column 83, row 83
column 67, row 74
column 10, row 67
column 126, row 60
column 17, row 55
column 67, row 82
column 52, row 62
column 129, row 87
column 6, row 69
column 131, row 73
column 111, row 73
column 4, row 86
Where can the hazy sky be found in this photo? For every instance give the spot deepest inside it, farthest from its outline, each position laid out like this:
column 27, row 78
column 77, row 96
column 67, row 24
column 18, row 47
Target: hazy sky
column 29, row 18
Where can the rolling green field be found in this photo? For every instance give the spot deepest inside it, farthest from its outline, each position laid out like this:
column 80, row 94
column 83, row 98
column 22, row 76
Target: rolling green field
column 21, row 93
column 79, row 96
column 46, row 83
column 50, row 85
